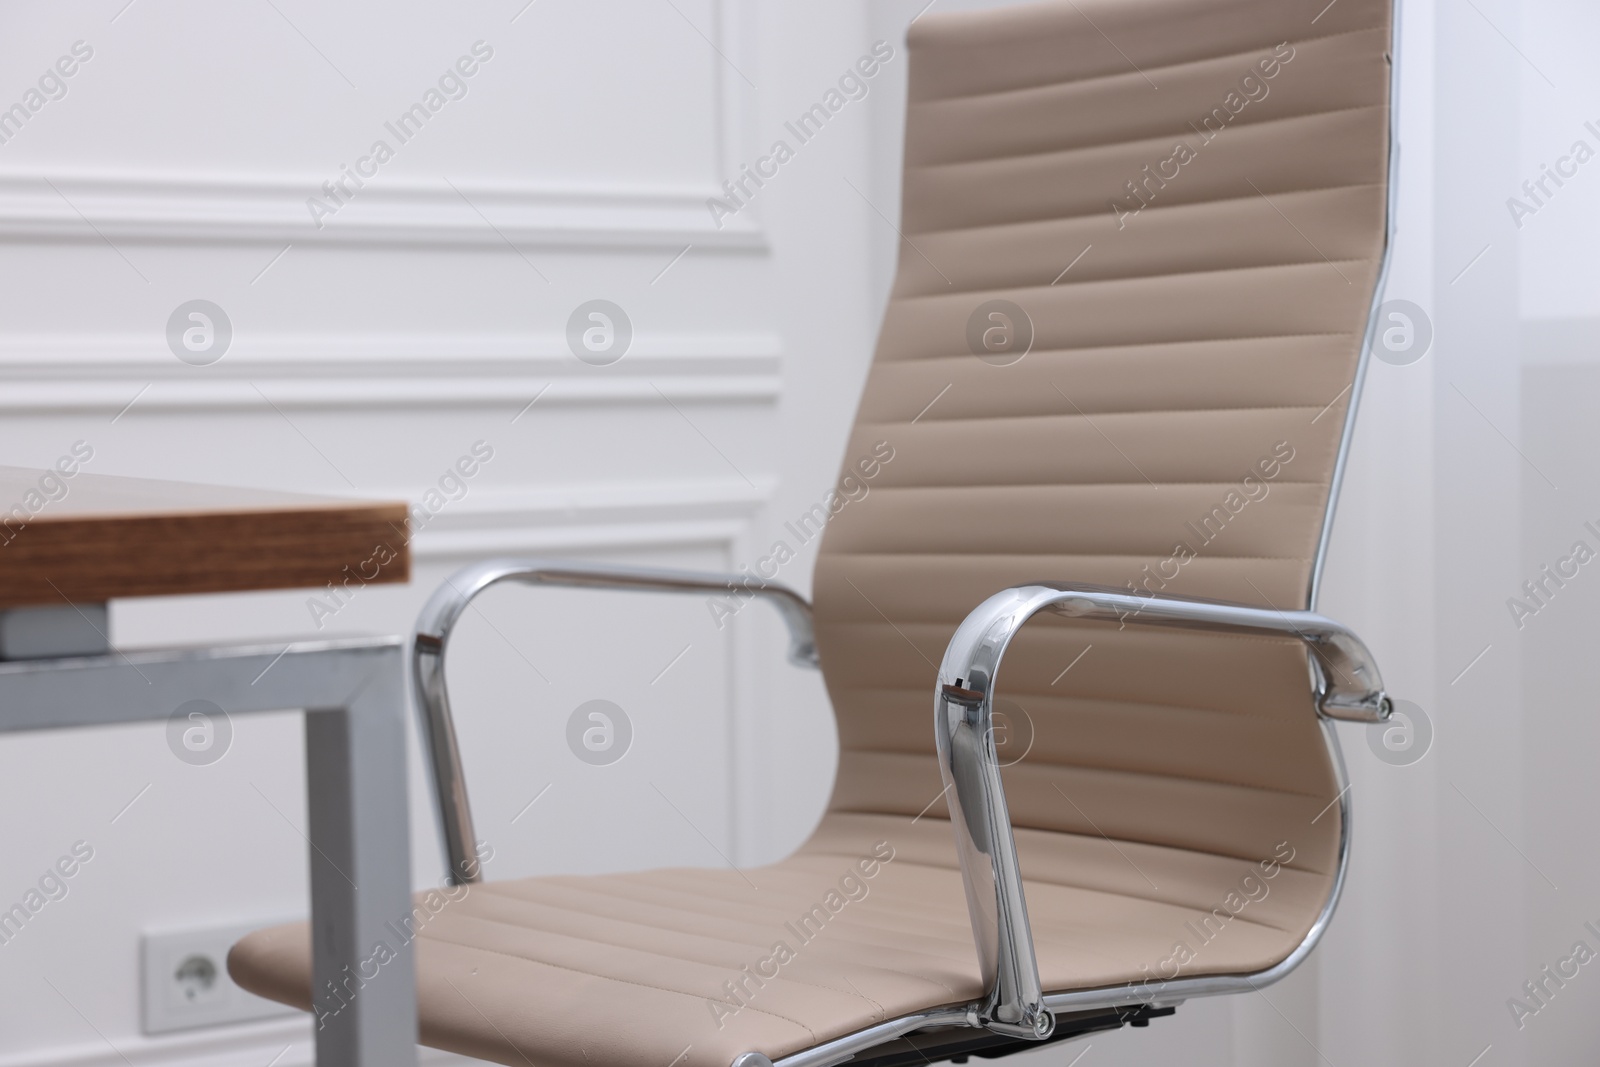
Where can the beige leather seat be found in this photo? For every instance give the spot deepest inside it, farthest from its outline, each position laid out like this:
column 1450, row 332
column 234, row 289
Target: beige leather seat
column 1187, row 199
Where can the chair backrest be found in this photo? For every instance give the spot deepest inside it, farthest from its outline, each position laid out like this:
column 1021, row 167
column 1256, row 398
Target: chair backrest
column 1141, row 244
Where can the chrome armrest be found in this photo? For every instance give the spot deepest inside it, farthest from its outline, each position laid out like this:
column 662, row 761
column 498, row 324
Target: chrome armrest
column 1345, row 682
column 439, row 617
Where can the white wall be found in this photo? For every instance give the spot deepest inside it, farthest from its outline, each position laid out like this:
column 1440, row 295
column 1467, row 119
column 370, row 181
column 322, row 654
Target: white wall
column 1472, row 870
column 370, row 354
column 374, row 351
column 1560, row 348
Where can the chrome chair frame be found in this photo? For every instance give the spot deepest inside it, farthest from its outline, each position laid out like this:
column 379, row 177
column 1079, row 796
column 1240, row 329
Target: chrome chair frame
column 1344, row 681
column 444, row 608
column 1345, row 684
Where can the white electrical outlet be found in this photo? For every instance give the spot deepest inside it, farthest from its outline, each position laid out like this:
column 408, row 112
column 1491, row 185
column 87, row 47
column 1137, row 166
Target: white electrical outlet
column 186, row 981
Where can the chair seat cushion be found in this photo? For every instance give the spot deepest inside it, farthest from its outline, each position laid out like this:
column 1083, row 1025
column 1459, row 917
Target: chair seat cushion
column 868, row 921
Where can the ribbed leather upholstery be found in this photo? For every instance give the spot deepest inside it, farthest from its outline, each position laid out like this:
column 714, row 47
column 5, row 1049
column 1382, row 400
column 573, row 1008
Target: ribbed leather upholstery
column 1210, row 331
column 1168, row 790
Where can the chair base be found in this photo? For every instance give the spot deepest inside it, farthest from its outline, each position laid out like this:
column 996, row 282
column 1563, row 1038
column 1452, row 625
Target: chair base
column 957, row 1046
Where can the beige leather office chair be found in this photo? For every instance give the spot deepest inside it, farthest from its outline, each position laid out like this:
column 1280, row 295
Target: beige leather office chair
column 1181, row 207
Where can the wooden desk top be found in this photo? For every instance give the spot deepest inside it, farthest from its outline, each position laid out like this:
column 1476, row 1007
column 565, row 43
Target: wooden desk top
column 94, row 537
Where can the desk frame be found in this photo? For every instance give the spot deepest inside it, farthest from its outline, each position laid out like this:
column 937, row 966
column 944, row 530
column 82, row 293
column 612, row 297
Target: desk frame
column 353, row 695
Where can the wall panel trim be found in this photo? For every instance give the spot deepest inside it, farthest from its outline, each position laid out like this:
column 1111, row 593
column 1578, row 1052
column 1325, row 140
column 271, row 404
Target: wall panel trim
column 183, row 209
column 104, row 373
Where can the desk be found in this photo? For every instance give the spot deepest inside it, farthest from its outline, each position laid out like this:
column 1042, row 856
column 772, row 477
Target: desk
column 69, row 542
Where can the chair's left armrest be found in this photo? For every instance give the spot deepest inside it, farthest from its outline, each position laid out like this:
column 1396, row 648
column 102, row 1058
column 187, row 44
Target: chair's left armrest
column 451, row 599
column 1346, row 686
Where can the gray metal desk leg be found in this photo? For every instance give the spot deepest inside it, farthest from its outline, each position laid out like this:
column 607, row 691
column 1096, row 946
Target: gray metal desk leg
column 362, row 961
column 354, row 689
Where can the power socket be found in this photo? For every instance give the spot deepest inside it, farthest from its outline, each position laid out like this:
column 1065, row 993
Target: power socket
column 186, row 983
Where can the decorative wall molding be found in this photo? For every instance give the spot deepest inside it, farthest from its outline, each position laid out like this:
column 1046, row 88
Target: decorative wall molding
column 66, row 215
column 184, row 209
column 244, row 207
column 105, row 373
column 251, row 206
column 589, row 516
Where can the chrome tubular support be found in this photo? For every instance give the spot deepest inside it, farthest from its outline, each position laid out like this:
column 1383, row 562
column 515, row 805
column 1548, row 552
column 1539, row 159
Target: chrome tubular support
column 964, row 731
column 445, row 607
column 842, row 1050
column 1347, row 687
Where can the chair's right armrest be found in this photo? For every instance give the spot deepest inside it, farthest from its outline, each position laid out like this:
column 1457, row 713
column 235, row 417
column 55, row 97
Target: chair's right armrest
column 451, row 599
column 1346, row 686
